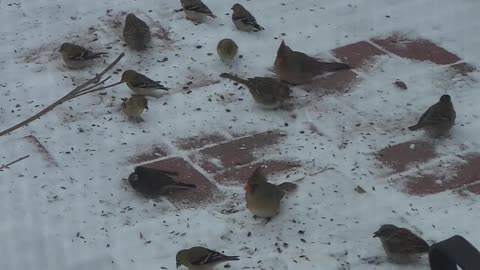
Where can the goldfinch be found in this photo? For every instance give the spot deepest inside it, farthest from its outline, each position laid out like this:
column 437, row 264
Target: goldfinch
column 244, row 20
column 263, row 198
column 134, row 106
column 136, row 32
column 401, row 245
column 152, row 182
column 201, row 258
column 268, row 92
column 298, row 68
column 196, row 10
column 77, row 57
column 227, row 50
column 141, row 84
column 438, row 119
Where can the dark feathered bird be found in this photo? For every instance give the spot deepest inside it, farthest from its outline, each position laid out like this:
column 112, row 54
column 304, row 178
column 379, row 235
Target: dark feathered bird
column 153, row 182
column 438, row 119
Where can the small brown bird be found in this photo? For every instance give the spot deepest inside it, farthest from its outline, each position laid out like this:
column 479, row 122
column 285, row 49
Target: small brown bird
column 77, row 57
column 298, row 68
column 263, row 198
column 196, row 10
column 134, row 106
column 438, row 119
column 401, row 245
column 268, row 92
column 153, row 182
column 227, row 50
column 136, row 32
column 244, row 20
column 201, row 258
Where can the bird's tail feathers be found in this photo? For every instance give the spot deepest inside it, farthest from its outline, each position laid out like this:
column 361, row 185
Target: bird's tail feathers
column 184, row 185
column 413, row 128
column 329, row 67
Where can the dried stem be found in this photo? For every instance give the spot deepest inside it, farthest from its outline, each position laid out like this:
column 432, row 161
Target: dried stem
column 13, row 162
column 72, row 94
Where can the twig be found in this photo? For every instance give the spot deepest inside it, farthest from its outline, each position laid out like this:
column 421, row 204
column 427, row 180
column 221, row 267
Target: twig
column 13, row 162
column 69, row 96
column 96, row 89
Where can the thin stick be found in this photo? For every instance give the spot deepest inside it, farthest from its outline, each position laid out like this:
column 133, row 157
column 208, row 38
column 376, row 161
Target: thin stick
column 97, row 89
column 13, row 162
column 68, row 96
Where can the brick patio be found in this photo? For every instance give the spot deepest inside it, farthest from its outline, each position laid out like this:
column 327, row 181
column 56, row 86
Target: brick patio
column 210, row 160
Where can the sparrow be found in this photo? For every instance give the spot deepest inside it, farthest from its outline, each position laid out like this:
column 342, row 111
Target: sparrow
column 152, row 183
column 76, row 56
column 227, row 50
column 298, row 68
column 438, row 119
column 141, row 84
column 263, row 198
column 201, row 258
column 136, row 32
column 268, row 92
column 196, row 10
column 401, row 245
column 244, row 20
column 134, row 106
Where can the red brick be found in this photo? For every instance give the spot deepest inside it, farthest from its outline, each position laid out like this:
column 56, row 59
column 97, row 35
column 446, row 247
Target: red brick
column 42, row 150
column 418, row 49
column 206, row 192
column 465, row 174
column 474, row 188
column 199, row 141
column 335, row 83
column 463, row 68
column 357, row 54
column 237, row 152
column 423, row 185
column 157, row 151
column 240, row 174
column 400, row 156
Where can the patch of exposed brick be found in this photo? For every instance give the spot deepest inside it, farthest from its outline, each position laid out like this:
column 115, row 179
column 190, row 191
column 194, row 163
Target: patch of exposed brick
column 418, row 49
column 400, row 156
column 157, row 151
column 466, row 174
column 42, row 150
column 206, row 192
column 335, row 83
column 357, row 55
column 237, row 152
column 241, row 174
column 199, row 141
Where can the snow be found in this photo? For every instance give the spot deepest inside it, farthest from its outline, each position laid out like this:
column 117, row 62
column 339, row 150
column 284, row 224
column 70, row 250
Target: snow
column 79, row 215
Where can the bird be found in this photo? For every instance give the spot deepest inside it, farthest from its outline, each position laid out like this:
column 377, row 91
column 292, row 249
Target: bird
column 438, row 119
column 76, row 56
column 141, row 84
column 263, row 198
column 136, row 32
column 244, row 20
column 227, row 49
column 196, row 10
column 268, row 92
column 298, row 68
column 152, row 182
column 134, row 106
column 201, row 258
column 400, row 244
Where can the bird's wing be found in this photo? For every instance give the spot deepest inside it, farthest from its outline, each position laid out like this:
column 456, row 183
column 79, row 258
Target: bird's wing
column 404, row 241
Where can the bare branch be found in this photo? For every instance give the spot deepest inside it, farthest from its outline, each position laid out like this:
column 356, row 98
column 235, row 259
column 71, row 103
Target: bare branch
column 96, row 89
column 13, row 162
column 70, row 95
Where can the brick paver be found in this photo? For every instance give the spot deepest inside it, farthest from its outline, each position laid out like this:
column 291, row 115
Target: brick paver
column 400, row 156
column 358, row 55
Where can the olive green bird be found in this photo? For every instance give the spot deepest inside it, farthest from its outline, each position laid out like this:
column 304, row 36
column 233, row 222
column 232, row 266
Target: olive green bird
column 134, row 106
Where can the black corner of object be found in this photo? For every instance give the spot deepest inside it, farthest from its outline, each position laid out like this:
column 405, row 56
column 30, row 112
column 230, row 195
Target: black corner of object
column 449, row 253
